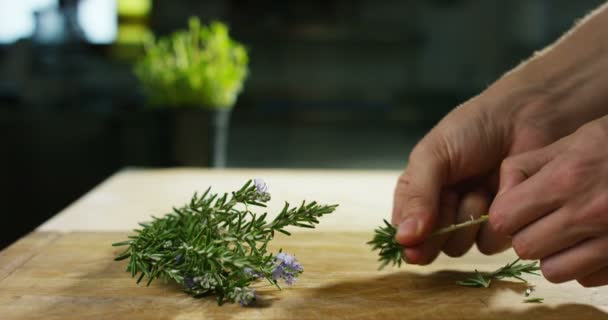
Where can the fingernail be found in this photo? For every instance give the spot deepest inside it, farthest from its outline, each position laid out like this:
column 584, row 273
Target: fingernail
column 409, row 227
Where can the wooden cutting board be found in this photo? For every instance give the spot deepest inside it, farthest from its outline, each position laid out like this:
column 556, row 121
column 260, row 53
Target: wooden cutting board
column 50, row 275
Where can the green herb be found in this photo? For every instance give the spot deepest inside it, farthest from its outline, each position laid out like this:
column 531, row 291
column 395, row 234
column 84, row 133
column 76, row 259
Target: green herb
column 534, row 300
column 215, row 245
column 391, row 252
column 198, row 67
column 478, row 280
column 514, row 269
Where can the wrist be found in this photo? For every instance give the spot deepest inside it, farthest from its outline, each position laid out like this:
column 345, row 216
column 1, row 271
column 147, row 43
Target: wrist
column 552, row 93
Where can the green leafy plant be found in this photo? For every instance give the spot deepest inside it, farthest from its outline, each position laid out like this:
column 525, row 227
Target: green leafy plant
column 215, row 245
column 201, row 67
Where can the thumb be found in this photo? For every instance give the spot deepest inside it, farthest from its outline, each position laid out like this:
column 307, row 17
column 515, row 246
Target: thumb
column 418, row 193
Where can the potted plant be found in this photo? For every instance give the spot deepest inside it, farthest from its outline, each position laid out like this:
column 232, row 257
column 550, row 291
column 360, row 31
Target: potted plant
column 196, row 75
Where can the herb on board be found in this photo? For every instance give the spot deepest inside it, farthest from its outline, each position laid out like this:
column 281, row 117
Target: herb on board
column 216, row 245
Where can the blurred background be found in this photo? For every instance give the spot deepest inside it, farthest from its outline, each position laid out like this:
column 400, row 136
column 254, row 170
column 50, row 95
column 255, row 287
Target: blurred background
column 331, row 84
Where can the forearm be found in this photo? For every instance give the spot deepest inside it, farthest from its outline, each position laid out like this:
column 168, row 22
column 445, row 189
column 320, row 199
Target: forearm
column 566, row 84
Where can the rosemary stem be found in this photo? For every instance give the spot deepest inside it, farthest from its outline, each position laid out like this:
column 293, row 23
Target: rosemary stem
column 455, row 227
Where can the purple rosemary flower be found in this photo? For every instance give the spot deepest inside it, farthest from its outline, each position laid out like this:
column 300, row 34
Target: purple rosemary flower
column 289, row 261
column 261, row 189
column 285, row 258
column 260, row 185
column 286, row 267
column 290, row 279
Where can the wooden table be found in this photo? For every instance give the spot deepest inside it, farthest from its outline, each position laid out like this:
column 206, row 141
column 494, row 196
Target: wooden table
column 65, row 270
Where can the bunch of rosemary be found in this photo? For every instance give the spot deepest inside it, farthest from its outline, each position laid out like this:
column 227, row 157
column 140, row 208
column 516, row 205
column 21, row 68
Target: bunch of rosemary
column 216, row 245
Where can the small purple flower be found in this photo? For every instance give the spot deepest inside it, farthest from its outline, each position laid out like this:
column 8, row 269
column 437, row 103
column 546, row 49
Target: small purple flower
column 297, row 266
column 285, row 258
column 178, row 258
column 260, row 185
column 278, row 272
column 286, row 267
column 289, row 280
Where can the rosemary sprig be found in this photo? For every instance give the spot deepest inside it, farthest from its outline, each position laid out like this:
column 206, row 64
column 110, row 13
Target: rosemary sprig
column 534, row 300
column 215, row 245
column 391, row 252
column 514, row 269
column 477, row 280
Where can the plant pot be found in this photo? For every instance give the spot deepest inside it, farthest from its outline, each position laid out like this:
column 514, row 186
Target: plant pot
column 176, row 136
column 201, row 137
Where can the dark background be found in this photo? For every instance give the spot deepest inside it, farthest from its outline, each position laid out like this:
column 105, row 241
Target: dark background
column 333, row 84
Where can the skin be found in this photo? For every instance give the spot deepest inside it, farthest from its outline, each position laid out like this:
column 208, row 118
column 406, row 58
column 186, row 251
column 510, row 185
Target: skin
column 475, row 160
column 560, row 191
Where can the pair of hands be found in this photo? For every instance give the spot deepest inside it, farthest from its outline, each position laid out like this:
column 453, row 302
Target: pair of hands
column 543, row 179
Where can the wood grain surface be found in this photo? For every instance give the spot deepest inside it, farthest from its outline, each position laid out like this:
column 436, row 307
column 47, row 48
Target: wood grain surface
column 49, row 275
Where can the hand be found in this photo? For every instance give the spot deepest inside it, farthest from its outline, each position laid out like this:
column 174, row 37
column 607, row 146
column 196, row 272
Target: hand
column 452, row 173
column 554, row 203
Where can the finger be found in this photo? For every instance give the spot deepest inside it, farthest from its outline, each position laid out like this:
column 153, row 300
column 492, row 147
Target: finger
column 426, row 252
column 514, row 170
column 472, row 206
column 531, row 242
column 596, row 279
column 420, row 188
column 529, row 200
column 489, row 241
column 577, row 262
column 399, row 197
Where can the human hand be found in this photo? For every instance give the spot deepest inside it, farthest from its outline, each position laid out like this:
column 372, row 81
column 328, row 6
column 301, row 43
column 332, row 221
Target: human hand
column 451, row 175
column 554, row 203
